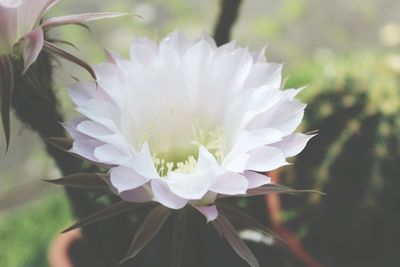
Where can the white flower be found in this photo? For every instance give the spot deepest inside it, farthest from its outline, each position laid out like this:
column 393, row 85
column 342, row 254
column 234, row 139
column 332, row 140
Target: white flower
column 20, row 23
column 22, row 36
column 18, row 18
column 185, row 120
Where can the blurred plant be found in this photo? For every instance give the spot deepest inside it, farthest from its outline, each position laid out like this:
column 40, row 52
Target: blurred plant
column 356, row 108
column 22, row 38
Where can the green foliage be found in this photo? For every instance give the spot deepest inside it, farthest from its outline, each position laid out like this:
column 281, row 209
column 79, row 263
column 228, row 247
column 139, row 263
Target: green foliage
column 354, row 102
column 25, row 233
column 365, row 87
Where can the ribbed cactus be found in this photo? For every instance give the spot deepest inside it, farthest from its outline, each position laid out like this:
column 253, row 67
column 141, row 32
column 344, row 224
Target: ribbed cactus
column 355, row 160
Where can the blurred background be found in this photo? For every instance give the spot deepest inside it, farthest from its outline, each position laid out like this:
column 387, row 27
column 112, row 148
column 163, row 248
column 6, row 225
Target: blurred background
column 346, row 51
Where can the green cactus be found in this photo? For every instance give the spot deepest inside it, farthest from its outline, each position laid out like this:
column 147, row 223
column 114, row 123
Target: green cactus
column 355, row 159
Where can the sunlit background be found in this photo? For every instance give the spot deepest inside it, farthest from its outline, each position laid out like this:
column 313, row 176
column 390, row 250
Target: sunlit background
column 320, row 42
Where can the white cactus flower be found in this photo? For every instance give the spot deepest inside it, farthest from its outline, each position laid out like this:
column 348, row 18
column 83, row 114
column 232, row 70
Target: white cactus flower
column 184, row 121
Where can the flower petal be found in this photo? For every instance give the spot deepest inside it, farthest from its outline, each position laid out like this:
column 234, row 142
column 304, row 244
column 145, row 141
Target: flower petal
column 29, row 14
column 210, row 212
column 137, row 195
column 32, row 44
column 256, row 179
column 143, row 50
column 285, row 116
column 230, row 183
column 8, row 29
column 293, row 144
column 264, row 74
column 124, row 179
column 109, row 154
column 143, row 163
column 86, row 148
column 265, row 158
column 163, row 195
column 189, row 186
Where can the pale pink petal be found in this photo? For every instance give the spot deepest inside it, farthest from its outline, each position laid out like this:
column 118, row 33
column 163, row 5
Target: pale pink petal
column 259, row 56
column 143, row 51
column 293, row 144
column 143, row 163
column 264, row 74
column 93, row 129
column 230, row 183
column 124, row 179
column 163, row 195
column 247, row 141
column 285, row 116
column 32, row 44
column 85, row 148
column 265, row 158
column 102, row 112
column 210, row 212
column 189, row 186
column 70, row 127
column 8, row 29
column 237, row 162
column 82, row 92
column 137, row 195
column 109, row 154
column 30, row 12
column 177, row 41
column 256, row 179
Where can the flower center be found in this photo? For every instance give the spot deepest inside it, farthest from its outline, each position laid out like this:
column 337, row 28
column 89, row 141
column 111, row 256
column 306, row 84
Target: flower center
column 182, row 157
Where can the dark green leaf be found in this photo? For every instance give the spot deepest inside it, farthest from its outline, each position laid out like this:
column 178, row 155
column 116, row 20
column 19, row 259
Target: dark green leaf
column 6, row 89
column 63, row 143
column 178, row 238
column 58, row 51
column 276, row 188
column 233, row 238
column 217, row 228
column 113, row 210
column 60, row 41
column 81, row 180
column 149, row 228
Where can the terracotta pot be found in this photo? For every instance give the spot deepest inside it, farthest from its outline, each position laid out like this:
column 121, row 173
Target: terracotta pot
column 61, row 249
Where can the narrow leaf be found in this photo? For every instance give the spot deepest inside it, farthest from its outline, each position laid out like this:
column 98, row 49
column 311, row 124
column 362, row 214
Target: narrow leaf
column 235, row 241
column 276, row 188
column 58, row 51
column 243, row 218
column 60, row 41
column 32, row 44
column 63, row 143
column 81, row 180
column 217, row 228
column 178, row 238
column 113, row 210
column 50, row 4
column 79, row 18
column 6, row 89
column 148, row 230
